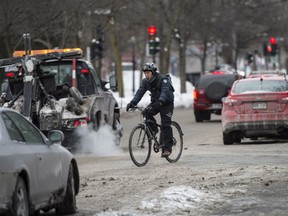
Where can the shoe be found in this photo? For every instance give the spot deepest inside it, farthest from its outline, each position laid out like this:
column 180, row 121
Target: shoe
column 165, row 153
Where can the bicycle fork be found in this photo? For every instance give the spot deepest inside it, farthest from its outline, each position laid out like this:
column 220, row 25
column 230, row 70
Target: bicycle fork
column 141, row 141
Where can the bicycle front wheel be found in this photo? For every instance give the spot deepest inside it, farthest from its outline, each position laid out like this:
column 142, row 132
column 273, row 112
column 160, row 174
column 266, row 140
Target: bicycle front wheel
column 177, row 147
column 139, row 146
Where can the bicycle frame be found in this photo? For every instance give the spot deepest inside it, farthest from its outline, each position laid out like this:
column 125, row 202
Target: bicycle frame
column 146, row 123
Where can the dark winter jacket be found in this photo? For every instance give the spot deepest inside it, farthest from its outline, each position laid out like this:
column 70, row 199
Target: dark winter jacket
column 160, row 87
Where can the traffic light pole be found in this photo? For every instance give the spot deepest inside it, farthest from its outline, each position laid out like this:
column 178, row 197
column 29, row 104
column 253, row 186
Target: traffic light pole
column 133, row 66
column 154, row 59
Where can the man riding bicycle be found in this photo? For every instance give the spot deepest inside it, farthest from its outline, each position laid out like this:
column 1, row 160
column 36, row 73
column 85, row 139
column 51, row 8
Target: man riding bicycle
column 162, row 101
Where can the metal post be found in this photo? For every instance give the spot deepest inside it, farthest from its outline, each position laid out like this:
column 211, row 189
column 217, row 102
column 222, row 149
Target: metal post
column 133, row 66
column 74, row 72
column 154, row 59
column 216, row 56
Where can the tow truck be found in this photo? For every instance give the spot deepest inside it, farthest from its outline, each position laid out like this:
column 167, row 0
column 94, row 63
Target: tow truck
column 58, row 89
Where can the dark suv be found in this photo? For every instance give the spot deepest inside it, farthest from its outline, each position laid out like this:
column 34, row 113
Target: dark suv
column 61, row 91
column 208, row 94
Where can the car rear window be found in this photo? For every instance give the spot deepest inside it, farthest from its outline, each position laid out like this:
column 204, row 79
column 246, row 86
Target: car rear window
column 260, row 86
column 63, row 74
column 206, row 80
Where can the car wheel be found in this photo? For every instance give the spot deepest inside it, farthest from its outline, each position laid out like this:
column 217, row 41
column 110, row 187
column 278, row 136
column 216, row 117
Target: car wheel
column 20, row 203
column 198, row 116
column 117, row 127
column 68, row 206
column 227, row 139
column 238, row 140
column 215, row 91
column 207, row 116
column 76, row 94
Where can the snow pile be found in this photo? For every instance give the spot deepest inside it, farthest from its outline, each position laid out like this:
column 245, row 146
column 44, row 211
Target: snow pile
column 176, row 197
column 176, row 200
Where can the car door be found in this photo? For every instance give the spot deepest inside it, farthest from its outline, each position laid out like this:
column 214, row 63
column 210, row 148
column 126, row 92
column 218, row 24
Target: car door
column 105, row 96
column 15, row 158
column 95, row 83
column 47, row 159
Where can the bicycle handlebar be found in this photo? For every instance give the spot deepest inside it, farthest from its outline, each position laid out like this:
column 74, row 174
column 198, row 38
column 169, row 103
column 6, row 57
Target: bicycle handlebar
column 136, row 108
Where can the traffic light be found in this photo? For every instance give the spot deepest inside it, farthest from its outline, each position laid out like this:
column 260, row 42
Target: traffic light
column 153, row 40
column 270, row 49
column 274, row 46
column 272, row 40
column 152, row 30
column 96, row 49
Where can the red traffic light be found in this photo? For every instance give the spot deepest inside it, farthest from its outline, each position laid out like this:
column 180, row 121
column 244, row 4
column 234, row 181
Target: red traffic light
column 272, row 40
column 152, row 30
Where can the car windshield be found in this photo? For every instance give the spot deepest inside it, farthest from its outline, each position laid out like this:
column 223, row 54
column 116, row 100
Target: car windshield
column 260, row 86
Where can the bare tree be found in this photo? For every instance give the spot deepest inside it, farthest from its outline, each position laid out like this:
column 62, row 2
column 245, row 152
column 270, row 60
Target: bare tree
column 240, row 25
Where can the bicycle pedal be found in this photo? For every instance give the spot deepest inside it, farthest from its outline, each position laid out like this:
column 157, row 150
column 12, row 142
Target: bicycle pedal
column 155, row 148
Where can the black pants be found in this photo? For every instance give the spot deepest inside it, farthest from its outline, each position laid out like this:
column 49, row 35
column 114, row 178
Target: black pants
column 166, row 113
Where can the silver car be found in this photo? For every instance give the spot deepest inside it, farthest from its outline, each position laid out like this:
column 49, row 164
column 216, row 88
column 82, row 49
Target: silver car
column 36, row 172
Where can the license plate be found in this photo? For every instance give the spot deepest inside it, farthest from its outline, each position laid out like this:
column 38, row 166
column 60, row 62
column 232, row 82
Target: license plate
column 216, row 106
column 260, row 105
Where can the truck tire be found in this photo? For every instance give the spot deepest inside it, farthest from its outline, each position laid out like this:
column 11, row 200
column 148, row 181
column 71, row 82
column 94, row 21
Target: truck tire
column 76, row 94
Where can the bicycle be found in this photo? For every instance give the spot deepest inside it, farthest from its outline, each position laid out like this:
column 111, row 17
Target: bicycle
column 142, row 136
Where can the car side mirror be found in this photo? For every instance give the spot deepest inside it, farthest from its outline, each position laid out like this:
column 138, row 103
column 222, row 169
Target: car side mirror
column 113, row 82
column 104, row 83
column 55, row 136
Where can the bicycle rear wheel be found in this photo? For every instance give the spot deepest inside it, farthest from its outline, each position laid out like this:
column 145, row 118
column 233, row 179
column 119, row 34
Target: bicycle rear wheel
column 177, row 147
column 139, row 146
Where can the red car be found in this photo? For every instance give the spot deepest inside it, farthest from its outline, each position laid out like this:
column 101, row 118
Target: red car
column 255, row 107
column 208, row 94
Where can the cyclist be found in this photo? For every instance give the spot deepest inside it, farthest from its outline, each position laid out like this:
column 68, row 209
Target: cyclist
column 162, row 101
